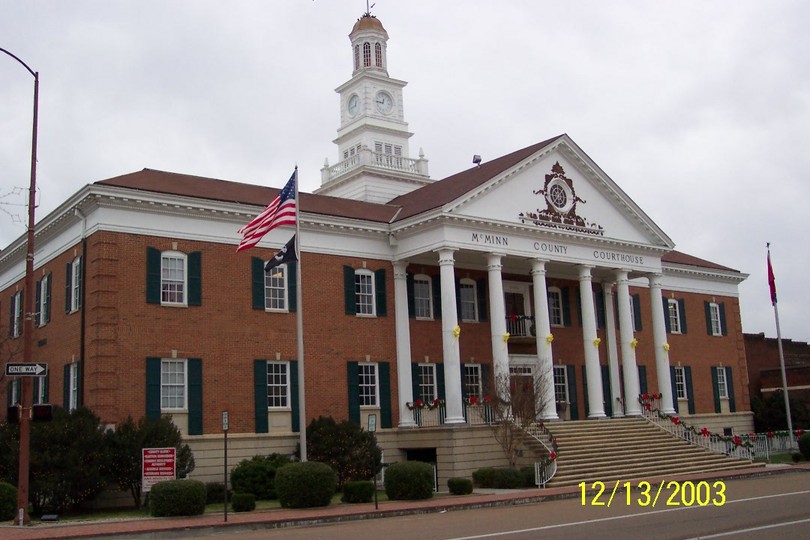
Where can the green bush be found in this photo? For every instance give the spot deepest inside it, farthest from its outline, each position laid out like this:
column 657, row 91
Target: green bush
column 215, row 492
column 257, row 475
column 409, row 480
column 527, row 476
column 460, row 486
column 484, row 477
column 351, row 451
column 797, row 457
column 507, row 479
column 243, row 502
column 804, row 446
column 305, row 485
column 359, row 491
column 177, row 498
column 8, row 501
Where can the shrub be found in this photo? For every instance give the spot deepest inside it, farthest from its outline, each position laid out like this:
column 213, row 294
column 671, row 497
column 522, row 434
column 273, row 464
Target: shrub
column 243, row 502
column 804, row 446
column 257, row 475
column 215, row 492
column 797, row 457
column 527, row 476
column 358, row 491
column 351, row 451
column 409, row 480
column 507, row 479
column 8, row 501
column 460, row 486
column 484, row 477
column 177, row 498
column 304, row 485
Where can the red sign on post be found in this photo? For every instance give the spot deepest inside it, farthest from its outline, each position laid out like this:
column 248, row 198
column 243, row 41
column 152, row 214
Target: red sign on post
column 158, row 464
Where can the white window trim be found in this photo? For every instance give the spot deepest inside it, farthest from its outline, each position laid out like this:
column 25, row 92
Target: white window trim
column 75, row 284
column 15, row 392
column 39, row 395
column 286, row 407
column 555, row 291
column 184, row 258
column 184, row 408
column 73, row 392
column 365, row 272
column 681, row 385
column 722, row 385
column 563, row 383
column 429, row 281
column 43, row 300
column 376, row 367
column 267, row 288
column 674, row 320
column 435, row 385
column 469, row 283
column 17, row 323
column 479, row 377
column 714, row 316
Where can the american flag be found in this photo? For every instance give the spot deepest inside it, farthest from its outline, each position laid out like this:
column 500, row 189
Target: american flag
column 279, row 212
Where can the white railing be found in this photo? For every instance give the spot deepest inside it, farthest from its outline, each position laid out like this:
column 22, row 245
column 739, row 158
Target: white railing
column 772, row 443
column 381, row 160
column 543, row 470
column 520, row 326
column 475, row 415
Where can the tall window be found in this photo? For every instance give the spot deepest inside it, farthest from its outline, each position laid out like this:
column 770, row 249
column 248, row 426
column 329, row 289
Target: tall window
column 16, row 322
column 368, row 385
column 633, row 312
column 427, row 382
column 275, row 288
column 674, row 316
column 560, row 384
column 172, row 277
column 722, row 387
column 173, row 384
column 14, row 389
column 473, row 386
column 378, row 55
column 714, row 316
column 469, row 300
column 680, row 383
column 555, row 308
column 43, row 315
column 73, row 387
column 278, row 385
column 364, row 292
column 40, row 390
column 423, row 297
column 356, row 57
column 367, row 54
column 76, row 284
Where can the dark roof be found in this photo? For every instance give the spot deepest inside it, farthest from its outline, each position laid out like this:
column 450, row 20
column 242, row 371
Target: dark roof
column 221, row 190
column 439, row 193
column 676, row 257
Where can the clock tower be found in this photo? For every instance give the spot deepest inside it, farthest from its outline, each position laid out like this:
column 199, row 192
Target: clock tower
column 374, row 162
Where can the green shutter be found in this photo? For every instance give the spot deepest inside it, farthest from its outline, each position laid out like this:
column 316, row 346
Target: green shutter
column 195, row 397
column 353, row 382
column 481, row 292
column 707, row 308
column 349, row 297
column 257, row 286
column 585, row 391
column 66, row 387
column 384, row 369
column 674, row 387
column 260, row 396
column 666, row 314
column 690, row 392
column 37, row 301
column 601, row 317
column 292, row 286
column 486, row 385
column 68, row 289
column 48, row 298
column 152, row 276
column 732, row 404
column 723, row 327
column 642, row 379
column 415, row 382
column 606, row 390
column 566, row 306
column 411, row 299
column 682, row 314
column 11, row 316
column 437, row 296
column 637, row 310
column 573, row 405
column 440, row 386
column 380, row 293
column 152, row 388
column 195, row 278
column 716, row 390
column 458, row 297
column 579, row 315
column 295, row 410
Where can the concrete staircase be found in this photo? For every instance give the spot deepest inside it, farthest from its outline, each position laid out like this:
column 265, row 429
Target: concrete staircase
column 628, row 449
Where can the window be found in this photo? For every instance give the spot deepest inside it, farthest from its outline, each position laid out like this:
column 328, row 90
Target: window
column 427, row 382
column 674, row 316
column 173, row 384
column 275, row 289
column 76, row 284
column 722, row 387
column 173, row 278
column 714, row 318
column 73, row 387
column 43, row 307
column 423, row 297
column 680, row 383
column 633, row 309
column 555, row 307
column 356, row 57
column 472, row 381
column 560, row 384
column 364, row 292
column 368, row 385
column 278, row 385
column 16, row 322
column 378, row 55
column 366, row 54
column 468, row 300
column 40, row 390
column 14, row 390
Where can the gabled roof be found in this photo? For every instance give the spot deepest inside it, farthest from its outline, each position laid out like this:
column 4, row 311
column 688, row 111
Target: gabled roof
column 676, row 257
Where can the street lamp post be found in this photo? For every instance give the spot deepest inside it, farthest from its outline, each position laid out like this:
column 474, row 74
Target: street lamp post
column 26, row 383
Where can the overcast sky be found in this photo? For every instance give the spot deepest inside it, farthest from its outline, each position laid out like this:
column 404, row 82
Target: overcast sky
column 699, row 110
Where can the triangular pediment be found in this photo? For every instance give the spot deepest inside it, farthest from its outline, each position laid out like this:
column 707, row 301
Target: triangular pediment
column 559, row 190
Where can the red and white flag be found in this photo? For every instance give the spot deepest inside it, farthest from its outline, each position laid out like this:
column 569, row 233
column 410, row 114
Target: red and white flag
column 280, row 212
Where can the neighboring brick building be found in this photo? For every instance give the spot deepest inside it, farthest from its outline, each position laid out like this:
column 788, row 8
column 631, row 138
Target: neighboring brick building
column 764, row 372
column 533, row 265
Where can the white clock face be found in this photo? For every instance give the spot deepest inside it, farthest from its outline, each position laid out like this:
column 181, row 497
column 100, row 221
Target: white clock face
column 354, row 105
column 384, row 102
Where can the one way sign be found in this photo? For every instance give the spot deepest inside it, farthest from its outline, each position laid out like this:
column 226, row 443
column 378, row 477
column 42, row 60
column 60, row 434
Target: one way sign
column 26, row 370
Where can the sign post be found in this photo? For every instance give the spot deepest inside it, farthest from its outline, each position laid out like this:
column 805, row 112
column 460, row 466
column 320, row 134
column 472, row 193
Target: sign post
column 158, row 464
column 225, row 480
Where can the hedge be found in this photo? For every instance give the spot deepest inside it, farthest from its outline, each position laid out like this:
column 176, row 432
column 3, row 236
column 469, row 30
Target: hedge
column 305, row 485
column 409, row 480
column 177, row 498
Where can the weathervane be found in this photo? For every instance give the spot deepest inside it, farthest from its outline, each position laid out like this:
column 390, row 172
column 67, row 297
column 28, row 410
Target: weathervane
column 368, row 8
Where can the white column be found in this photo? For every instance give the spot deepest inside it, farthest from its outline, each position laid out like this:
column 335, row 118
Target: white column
column 661, row 346
column 497, row 324
column 403, row 337
column 612, row 350
column 542, row 329
column 596, row 407
column 450, row 348
column 631, row 384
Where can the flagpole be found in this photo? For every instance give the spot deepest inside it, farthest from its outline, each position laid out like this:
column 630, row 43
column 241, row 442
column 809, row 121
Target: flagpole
column 772, row 283
column 299, row 332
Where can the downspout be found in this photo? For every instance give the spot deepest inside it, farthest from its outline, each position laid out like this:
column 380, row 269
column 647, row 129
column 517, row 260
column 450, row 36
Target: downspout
column 82, row 323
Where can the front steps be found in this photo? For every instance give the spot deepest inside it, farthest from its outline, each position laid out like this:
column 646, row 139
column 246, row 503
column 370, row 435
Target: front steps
column 628, row 449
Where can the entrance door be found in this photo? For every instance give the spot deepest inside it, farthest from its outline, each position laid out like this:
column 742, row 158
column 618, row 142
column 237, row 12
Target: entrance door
column 516, row 322
column 521, row 386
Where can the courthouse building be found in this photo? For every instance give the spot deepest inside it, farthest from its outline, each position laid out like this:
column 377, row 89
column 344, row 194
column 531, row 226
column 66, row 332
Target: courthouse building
column 534, row 266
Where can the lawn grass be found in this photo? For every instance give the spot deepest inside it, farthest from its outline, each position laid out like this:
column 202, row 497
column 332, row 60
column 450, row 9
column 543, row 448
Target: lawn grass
column 778, row 459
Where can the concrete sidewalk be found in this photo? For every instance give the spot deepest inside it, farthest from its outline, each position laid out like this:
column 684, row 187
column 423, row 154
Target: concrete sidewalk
column 281, row 517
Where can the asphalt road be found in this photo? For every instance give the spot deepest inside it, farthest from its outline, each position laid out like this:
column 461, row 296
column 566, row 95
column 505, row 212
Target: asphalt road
column 775, row 506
